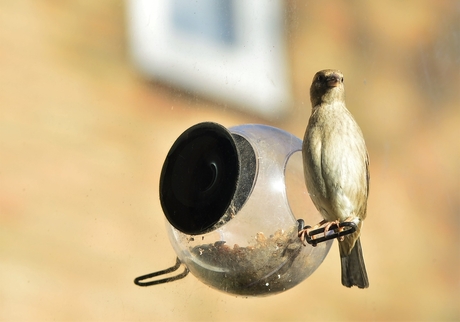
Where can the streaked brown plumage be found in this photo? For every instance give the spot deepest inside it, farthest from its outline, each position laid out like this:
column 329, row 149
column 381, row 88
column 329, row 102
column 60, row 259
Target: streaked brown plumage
column 336, row 168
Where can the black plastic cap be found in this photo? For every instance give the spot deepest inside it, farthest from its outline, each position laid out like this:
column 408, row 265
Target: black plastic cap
column 199, row 178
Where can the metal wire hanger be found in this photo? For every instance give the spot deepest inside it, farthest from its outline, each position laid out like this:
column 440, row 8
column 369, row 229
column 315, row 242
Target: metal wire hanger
column 141, row 279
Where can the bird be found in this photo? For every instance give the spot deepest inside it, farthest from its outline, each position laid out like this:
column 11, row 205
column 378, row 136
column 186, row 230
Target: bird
column 336, row 169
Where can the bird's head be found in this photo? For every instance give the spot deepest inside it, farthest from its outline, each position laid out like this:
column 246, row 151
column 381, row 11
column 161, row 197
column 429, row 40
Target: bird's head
column 327, row 87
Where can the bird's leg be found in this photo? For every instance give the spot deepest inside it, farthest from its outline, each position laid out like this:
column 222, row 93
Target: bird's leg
column 306, row 231
column 329, row 224
column 322, row 222
column 349, row 219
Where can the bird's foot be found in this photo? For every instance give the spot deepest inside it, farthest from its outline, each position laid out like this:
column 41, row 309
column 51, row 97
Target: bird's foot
column 305, row 231
column 328, row 226
column 350, row 219
column 302, row 234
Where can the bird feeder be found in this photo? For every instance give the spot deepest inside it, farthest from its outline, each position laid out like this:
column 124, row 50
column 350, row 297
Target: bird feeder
column 228, row 197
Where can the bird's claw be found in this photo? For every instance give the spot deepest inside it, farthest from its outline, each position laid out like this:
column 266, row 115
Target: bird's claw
column 329, row 224
column 341, row 229
column 304, row 231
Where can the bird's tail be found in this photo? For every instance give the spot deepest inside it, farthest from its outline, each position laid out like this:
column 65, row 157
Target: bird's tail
column 353, row 268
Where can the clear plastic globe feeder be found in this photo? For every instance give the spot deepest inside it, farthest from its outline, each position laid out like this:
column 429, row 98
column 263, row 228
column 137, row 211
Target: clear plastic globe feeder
column 229, row 197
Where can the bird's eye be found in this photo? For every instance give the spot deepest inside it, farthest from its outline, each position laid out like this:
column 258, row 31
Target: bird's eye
column 341, row 79
column 320, row 78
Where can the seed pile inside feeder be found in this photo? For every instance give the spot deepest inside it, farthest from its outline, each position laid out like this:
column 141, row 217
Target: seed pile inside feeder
column 266, row 266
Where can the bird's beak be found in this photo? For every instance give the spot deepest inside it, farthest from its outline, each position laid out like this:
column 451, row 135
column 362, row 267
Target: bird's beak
column 333, row 80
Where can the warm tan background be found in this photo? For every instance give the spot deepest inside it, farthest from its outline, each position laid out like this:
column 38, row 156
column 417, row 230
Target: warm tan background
column 83, row 138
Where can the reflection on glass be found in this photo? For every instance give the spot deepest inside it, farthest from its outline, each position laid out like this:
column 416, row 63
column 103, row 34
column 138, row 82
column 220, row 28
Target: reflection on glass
column 208, row 19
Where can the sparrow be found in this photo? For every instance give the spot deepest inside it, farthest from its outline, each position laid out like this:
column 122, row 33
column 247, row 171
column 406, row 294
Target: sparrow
column 336, row 169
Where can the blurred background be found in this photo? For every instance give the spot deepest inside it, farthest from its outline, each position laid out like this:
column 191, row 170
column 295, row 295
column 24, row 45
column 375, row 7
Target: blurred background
column 84, row 132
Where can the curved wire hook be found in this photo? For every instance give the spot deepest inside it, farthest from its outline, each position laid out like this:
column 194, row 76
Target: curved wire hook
column 140, row 280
